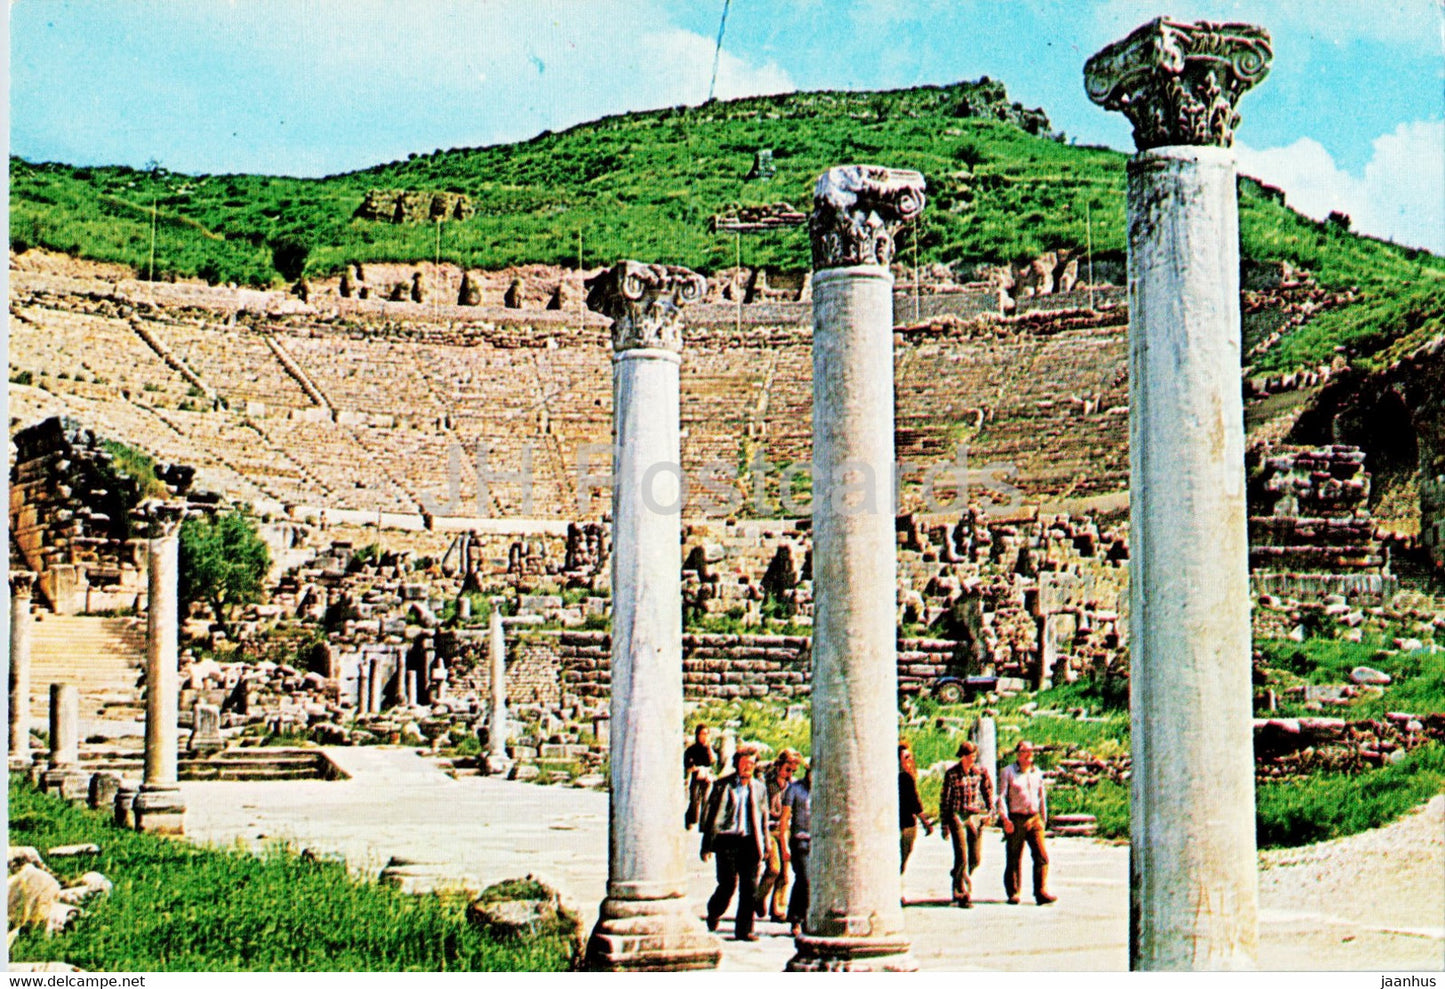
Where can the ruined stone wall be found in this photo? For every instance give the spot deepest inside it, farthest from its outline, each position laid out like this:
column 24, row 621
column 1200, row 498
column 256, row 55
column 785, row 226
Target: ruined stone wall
column 1312, row 513
column 719, row 667
column 68, row 519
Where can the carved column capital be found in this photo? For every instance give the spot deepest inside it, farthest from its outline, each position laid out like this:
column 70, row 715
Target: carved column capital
column 857, row 209
column 644, row 302
column 1179, row 83
column 21, row 583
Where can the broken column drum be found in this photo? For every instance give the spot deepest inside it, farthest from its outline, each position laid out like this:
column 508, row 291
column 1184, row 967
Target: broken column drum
column 645, row 922
column 1193, row 882
column 854, row 919
column 158, row 806
column 62, row 774
column 21, row 584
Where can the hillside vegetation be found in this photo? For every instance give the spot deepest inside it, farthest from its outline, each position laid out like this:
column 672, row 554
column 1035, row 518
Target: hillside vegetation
column 644, row 185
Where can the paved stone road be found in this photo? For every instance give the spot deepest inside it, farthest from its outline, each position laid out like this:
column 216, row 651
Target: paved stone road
column 477, row 831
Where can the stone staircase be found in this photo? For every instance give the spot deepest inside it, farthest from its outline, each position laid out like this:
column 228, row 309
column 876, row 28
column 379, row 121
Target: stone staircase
column 259, row 764
column 104, row 657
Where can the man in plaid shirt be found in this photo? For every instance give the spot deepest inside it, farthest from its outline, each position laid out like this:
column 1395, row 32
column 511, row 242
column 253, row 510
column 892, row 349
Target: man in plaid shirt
column 966, row 801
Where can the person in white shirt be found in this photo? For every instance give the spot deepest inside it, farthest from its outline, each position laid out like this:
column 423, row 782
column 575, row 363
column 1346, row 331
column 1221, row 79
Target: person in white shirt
column 1022, row 811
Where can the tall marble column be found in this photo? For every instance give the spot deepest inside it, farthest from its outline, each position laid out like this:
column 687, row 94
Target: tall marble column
column 1193, row 883
column 62, row 774
column 497, row 760
column 855, row 920
column 645, row 922
column 158, row 806
column 21, row 583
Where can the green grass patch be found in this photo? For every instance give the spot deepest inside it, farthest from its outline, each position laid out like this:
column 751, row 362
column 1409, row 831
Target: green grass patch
column 1106, row 800
column 176, row 907
column 1417, row 676
column 1332, row 805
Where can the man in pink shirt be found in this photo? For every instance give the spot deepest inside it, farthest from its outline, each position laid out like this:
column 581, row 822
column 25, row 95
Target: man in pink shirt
column 1022, row 811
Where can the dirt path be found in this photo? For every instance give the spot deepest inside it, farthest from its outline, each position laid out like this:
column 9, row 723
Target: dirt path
column 1377, row 896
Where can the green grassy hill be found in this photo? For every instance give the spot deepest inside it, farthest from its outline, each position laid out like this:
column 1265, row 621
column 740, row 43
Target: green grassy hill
column 643, row 185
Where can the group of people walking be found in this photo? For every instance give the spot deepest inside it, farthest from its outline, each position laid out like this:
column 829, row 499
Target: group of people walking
column 756, row 820
column 965, row 806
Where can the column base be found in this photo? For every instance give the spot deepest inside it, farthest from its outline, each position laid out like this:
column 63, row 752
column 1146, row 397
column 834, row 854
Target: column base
column 852, row 954
column 160, row 810
column 68, row 782
column 649, row 936
column 20, row 763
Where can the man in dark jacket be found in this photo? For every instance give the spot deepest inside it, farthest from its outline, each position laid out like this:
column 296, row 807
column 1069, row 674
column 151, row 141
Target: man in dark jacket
column 735, row 828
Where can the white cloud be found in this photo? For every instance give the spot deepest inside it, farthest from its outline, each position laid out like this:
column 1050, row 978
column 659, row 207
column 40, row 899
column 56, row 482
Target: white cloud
column 678, row 68
column 1400, row 196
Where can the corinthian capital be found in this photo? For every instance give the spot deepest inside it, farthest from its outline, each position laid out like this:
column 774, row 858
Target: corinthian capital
column 857, row 209
column 644, row 302
column 21, row 581
column 1179, row 83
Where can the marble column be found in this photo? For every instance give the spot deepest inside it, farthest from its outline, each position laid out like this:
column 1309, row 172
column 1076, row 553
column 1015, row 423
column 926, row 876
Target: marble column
column 1193, row 882
column 645, row 921
column 497, row 759
column 985, row 736
column 62, row 774
column 21, row 583
column 363, row 688
column 855, row 920
column 158, row 806
column 377, row 684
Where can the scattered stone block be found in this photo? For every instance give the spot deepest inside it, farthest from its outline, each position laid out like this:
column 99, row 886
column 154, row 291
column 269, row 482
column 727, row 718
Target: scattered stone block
column 33, row 893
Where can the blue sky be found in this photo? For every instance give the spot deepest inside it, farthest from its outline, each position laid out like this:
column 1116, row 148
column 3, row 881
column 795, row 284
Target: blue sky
column 1352, row 116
